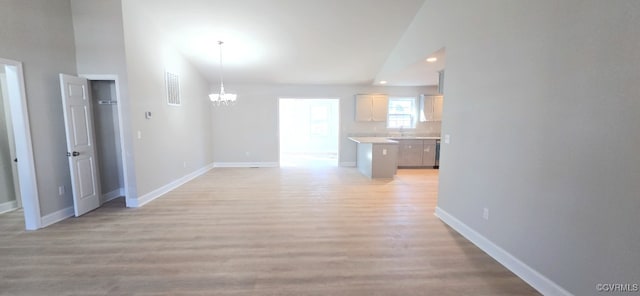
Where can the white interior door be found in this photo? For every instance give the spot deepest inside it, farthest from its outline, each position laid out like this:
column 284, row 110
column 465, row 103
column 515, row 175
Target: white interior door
column 10, row 137
column 11, row 158
column 81, row 148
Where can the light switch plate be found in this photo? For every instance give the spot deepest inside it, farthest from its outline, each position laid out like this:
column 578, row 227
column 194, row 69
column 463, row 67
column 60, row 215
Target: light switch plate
column 447, row 139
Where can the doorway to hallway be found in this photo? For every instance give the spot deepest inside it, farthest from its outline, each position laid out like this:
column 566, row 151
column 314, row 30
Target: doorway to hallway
column 309, row 132
column 17, row 169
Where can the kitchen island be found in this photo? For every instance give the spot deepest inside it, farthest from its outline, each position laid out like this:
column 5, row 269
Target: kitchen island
column 376, row 157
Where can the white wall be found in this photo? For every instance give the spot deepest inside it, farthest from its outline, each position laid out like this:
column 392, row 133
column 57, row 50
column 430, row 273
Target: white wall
column 543, row 111
column 40, row 34
column 99, row 41
column 251, row 126
column 174, row 136
column 113, row 38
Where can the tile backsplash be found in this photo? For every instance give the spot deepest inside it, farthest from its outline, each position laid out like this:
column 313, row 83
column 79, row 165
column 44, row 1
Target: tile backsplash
column 423, row 129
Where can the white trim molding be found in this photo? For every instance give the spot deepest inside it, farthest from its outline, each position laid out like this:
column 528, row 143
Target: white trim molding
column 245, row 165
column 144, row 199
column 56, row 217
column 124, row 126
column 538, row 281
column 112, row 195
column 8, row 206
column 24, row 147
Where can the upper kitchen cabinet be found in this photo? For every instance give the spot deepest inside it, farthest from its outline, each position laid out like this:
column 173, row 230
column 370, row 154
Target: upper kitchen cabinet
column 431, row 108
column 372, row 107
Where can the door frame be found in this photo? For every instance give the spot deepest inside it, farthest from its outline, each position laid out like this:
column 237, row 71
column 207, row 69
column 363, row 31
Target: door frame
column 12, row 146
column 123, row 150
column 24, row 147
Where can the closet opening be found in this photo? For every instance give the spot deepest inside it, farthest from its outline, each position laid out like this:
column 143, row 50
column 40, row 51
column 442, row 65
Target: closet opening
column 106, row 118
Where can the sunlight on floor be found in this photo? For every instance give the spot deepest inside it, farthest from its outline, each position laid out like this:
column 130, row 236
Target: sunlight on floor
column 308, row 159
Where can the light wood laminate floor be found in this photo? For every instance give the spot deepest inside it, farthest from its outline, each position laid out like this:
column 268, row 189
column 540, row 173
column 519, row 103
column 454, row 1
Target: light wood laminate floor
column 267, row 231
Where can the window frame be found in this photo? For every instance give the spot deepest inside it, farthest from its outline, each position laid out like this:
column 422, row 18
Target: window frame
column 413, row 113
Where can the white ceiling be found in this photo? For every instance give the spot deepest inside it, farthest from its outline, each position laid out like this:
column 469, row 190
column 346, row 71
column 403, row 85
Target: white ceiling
column 285, row 41
column 420, row 72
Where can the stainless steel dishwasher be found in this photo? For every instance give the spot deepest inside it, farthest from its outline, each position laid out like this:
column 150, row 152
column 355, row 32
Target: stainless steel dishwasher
column 437, row 165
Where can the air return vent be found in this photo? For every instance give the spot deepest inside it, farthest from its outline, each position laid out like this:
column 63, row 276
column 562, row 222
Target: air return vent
column 173, row 89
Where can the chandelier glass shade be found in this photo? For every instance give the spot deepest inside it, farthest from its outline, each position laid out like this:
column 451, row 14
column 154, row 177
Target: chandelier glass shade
column 222, row 98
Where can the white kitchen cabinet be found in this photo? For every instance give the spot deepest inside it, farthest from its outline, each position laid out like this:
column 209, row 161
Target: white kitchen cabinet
column 380, row 108
column 437, row 108
column 410, row 153
column 416, row 153
column 429, row 153
column 431, row 108
column 372, row 107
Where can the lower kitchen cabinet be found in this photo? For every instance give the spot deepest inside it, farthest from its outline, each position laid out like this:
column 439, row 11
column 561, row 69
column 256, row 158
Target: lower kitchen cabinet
column 416, row 153
column 429, row 153
column 410, row 153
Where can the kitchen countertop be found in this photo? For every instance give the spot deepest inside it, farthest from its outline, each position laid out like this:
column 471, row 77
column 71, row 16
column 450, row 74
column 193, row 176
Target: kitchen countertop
column 413, row 138
column 372, row 140
column 389, row 140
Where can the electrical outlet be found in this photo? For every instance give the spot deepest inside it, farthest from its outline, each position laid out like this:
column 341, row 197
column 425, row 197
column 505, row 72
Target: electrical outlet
column 447, row 139
column 139, row 135
column 485, row 213
column 60, row 190
column 184, row 164
column 384, row 151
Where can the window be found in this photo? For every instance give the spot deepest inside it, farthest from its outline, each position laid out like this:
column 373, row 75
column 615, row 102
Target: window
column 402, row 113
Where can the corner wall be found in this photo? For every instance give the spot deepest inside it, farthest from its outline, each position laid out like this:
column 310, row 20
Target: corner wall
column 542, row 106
column 175, row 141
column 99, row 40
column 40, row 35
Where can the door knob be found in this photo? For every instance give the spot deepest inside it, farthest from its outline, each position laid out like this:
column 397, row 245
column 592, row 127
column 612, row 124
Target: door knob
column 75, row 153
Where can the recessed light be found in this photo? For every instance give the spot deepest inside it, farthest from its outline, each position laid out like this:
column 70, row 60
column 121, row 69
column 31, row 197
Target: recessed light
column 383, row 82
column 432, row 59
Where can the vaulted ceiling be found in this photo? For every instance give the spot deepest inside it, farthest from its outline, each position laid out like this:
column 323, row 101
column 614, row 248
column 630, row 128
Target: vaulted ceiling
column 287, row 41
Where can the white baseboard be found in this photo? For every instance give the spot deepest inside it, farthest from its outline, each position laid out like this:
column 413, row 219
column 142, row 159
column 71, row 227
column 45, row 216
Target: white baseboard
column 8, row 206
column 245, row 165
column 112, row 195
column 349, row 164
column 144, row 199
column 521, row 269
column 56, row 217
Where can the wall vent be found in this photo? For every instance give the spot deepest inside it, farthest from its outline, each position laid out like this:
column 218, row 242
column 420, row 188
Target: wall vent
column 173, row 89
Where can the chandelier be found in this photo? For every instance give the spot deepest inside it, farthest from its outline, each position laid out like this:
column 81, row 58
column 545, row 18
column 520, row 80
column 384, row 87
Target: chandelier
column 222, row 98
